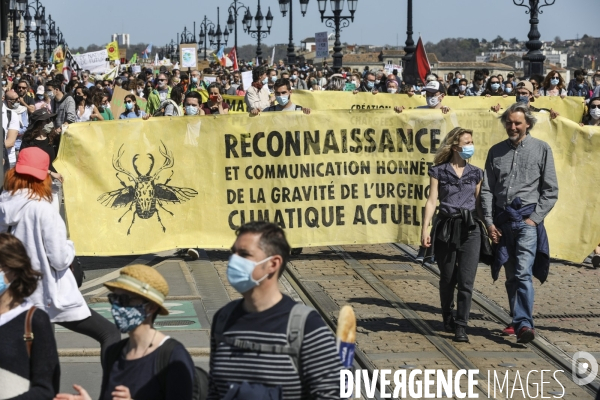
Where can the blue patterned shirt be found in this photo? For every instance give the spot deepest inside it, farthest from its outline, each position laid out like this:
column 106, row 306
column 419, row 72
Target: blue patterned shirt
column 456, row 193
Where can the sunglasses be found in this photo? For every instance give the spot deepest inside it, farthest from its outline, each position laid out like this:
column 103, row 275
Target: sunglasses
column 162, row 80
column 22, row 87
column 128, row 102
column 123, row 300
column 593, row 106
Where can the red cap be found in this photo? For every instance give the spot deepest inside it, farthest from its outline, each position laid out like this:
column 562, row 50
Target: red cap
column 33, row 161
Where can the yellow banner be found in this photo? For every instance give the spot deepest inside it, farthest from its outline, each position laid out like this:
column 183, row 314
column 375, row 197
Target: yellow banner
column 570, row 107
column 328, row 178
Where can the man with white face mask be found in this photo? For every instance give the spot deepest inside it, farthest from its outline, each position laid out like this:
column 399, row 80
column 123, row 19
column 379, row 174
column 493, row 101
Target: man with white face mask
column 434, row 94
column 253, row 330
column 282, row 89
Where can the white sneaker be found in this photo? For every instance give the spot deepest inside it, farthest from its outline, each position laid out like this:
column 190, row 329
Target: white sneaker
column 193, row 254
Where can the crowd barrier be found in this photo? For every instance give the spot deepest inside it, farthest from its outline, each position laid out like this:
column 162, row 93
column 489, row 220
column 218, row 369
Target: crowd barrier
column 329, row 178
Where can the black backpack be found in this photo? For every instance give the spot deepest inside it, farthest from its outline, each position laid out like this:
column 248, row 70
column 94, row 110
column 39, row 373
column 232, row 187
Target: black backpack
column 200, row 387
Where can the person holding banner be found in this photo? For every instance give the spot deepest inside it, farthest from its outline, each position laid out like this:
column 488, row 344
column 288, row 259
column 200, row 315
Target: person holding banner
column 458, row 234
column 160, row 94
column 283, row 94
column 215, row 103
column 257, row 96
column 132, row 110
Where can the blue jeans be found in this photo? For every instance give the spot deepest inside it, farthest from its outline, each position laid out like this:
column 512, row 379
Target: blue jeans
column 518, row 269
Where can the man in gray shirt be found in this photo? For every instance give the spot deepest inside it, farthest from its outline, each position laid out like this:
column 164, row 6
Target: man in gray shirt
column 519, row 190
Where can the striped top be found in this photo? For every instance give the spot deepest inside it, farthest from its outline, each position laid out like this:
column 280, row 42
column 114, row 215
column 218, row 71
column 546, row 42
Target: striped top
column 320, row 362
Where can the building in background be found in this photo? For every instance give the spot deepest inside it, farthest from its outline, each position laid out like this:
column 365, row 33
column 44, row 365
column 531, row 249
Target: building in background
column 121, row 38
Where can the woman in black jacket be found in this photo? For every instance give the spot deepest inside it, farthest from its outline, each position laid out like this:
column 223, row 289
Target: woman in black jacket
column 31, row 366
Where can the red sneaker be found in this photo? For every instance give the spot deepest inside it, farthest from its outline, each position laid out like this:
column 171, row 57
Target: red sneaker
column 526, row 335
column 509, row 331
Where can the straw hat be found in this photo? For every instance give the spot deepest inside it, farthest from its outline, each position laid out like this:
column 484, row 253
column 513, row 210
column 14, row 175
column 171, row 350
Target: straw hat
column 145, row 282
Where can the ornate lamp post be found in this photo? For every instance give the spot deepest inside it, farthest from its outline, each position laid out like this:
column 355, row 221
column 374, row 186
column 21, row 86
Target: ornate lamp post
column 218, row 37
column 410, row 48
column 284, row 6
column 17, row 8
column 234, row 8
column 59, row 35
column 533, row 61
column 259, row 33
column 40, row 19
column 206, row 28
column 30, row 27
column 187, row 37
column 338, row 22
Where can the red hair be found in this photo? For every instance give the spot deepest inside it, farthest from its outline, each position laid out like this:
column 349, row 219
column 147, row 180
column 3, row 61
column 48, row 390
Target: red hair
column 39, row 190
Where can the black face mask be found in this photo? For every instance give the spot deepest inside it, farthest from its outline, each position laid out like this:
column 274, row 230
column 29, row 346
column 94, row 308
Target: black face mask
column 78, row 99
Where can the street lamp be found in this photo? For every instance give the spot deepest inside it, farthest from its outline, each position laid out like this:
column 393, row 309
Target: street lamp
column 410, row 48
column 284, row 6
column 234, row 8
column 187, row 37
column 533, row 61
column 258, row 33
column 17, row 7
column 30, row 27
column 218, row 38
column 338, row 22
column 206, row 27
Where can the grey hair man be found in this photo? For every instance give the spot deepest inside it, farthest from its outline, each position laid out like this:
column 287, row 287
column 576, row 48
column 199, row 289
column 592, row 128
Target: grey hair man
column 519, row 190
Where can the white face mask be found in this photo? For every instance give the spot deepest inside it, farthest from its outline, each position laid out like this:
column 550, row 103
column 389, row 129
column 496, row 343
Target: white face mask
column 433, row 101
column 462, row 88
column 392, row 90
column 595, row 113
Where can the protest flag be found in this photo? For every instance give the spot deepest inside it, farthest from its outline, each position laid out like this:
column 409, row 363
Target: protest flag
column 68, row 65
column 147, row 51
column 112, row 74
column 233, row 57
column 113, row 51
column 418, row 66
column 133, row 59
column 156, row 59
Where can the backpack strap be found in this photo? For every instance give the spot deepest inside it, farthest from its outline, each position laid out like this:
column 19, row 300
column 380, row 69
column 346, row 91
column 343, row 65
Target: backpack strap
column 113, row 353
column 28, row 335
column 162, row 362
column 295, row 331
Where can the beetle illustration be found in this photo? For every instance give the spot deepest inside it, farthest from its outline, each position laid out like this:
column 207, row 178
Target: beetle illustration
column 144, row 192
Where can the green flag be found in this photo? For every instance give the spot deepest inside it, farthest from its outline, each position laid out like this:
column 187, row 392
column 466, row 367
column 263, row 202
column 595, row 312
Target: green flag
column 133, row 59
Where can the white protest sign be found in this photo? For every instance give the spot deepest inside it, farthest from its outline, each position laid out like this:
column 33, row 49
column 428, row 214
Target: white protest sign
column 247, row 79
column 389, row 68
column 94, row 61
column 322, row 44
column 210, row 79
column 136, row 69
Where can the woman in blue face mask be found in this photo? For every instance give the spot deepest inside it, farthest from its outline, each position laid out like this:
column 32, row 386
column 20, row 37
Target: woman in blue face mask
column 553, row 85
column 494, row 87
column 32, row 366
column 132, row 110
column 457, row 235
column 130, row 367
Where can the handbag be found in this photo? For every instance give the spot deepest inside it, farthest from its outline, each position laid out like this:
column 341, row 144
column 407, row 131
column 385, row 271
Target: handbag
column 77, row 271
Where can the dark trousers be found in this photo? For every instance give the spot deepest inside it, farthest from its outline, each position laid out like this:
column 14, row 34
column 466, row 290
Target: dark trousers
column 457, row 269
column 97, row 327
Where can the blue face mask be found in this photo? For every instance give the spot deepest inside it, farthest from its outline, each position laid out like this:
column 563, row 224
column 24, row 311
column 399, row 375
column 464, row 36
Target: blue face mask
column 191, row 110
column 495, row 86
column 128, row 318
column 282, row 100
column 129, row 106
column 265, row 81
column 554, row 81
column 239, row 273
column 370, row 84
column 508, row 90
column 467, row 152
column 274, row 78
column 457, row 81
column 3, row 285
column 522, row 99
column 194, row 79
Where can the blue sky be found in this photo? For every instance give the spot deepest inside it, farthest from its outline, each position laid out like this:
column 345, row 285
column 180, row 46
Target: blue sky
column 376, row 22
